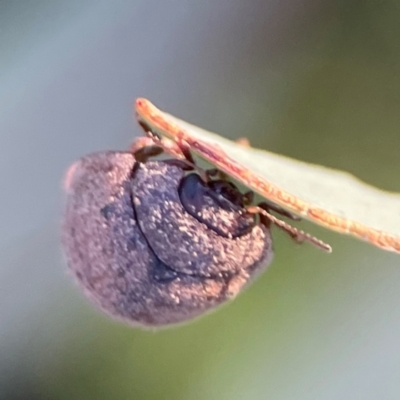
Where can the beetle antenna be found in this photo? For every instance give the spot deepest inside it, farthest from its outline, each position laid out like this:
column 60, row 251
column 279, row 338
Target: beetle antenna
column 297, row 235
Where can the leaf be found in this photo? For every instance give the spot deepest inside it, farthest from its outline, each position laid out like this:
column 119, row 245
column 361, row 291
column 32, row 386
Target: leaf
column 331, row 198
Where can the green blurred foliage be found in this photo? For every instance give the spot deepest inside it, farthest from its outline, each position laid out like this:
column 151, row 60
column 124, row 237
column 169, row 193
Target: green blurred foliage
column 327, row 90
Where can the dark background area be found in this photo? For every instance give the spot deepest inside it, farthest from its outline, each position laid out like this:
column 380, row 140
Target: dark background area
column 315, row 80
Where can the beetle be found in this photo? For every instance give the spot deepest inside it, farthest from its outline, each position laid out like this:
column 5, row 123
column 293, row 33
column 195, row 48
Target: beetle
column 159, row 242
column 143, row 255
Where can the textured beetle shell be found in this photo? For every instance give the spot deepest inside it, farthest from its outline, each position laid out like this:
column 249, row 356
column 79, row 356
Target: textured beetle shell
column 138, row 254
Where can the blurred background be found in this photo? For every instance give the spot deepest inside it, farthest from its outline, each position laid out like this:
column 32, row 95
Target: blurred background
column 316, row 80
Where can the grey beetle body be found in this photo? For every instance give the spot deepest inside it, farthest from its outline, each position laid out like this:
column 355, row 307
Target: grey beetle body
column 133, row 241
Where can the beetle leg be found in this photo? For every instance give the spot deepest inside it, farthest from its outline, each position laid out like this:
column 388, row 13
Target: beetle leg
column 243, row 141
column 269, row 205
column 248, row 197
column 180, row 151
column 144, row 148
